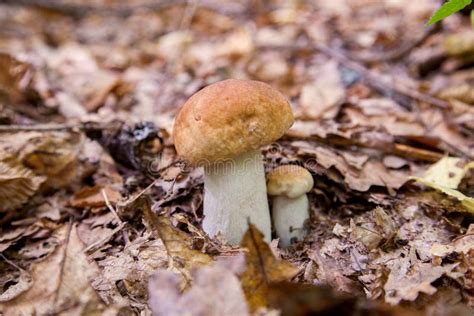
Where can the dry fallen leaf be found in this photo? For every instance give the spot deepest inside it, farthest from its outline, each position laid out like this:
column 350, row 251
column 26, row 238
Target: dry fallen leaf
column 53, row 155
column 406, row 280
column 319, row 99
column 461, row 245
column 216, row 291
column 12, row 73
column 178, row 245
column 95, row 196
column 445, row 177
column 262, row 268
column 61, row 282
column 17, row 185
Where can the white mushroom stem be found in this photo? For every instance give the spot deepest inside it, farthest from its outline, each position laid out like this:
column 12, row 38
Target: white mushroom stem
column 289, row 216
column 235, row 192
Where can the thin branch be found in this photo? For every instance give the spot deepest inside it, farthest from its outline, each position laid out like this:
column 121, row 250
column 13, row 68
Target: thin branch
column 109, row 206
column 81, row 10
column 398, row 53
column 13, row 264
column 64, row 258
column 102, row 241
column 54, row 127
column 377, row 81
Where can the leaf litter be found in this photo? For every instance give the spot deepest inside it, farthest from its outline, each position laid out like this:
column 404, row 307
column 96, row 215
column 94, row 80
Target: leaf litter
column 90, row 180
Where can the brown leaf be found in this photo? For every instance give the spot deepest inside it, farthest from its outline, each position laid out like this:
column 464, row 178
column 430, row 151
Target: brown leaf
column 262, row 268
column 407, row 281
column 320, row 99
column 216, row 291
column 53, row 155
column 12, row 72
column 178, row 245
column 60, row 282
column 17, row 185
column 93, row 197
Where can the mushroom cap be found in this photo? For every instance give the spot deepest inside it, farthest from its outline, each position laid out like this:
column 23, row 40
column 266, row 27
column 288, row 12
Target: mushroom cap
column 229, row 118
column 289, row 180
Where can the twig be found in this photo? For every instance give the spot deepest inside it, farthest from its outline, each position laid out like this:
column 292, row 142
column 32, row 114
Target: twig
column 374, row 79
column 398, row 53
column 81, row 10
column 379, row 81
column 54, row 127
column 13, row 264
column 102, row 241
column 109, row 206
column 64, row 258
column 133, row 198
column 37, row 127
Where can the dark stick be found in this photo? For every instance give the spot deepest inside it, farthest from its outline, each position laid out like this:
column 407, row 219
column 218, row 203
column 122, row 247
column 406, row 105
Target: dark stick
column 81, row 10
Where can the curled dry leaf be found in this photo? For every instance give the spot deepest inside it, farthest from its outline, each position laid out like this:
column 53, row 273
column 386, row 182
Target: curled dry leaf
column 371, row 173
column 53, row 155
column 17, row 185
column 261, row 269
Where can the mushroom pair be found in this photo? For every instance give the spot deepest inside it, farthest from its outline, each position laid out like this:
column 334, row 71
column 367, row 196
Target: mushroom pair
column 222, row 128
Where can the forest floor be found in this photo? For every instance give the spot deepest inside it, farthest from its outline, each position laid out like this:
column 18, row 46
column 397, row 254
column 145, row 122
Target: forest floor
column 99, row 216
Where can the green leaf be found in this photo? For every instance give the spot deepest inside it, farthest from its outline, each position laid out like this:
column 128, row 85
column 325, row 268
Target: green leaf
column 472, row 18
column 450, row 7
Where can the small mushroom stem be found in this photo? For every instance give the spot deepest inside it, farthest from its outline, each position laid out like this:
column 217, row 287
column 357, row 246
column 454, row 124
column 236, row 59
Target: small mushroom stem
column 289, row 216
column 235, row 192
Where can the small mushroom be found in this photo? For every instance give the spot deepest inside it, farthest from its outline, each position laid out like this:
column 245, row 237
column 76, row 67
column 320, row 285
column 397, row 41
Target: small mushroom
column 222, row 128
column 289, row 185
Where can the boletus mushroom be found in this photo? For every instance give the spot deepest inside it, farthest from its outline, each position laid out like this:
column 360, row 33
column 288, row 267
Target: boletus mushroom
column 288, row 185
column 222, row 128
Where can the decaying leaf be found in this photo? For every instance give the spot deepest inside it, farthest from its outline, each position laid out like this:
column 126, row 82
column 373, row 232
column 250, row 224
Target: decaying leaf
column 17, row 185
column 134, row 265
column 406, row 280
column 216, row 291
column 262, row 268
column 23, row 283
column 61, row 282
column 461, row 245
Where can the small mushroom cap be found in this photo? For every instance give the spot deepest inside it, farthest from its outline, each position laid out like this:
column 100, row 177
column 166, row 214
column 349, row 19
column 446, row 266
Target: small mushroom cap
column 289, row 180
column 229, row 118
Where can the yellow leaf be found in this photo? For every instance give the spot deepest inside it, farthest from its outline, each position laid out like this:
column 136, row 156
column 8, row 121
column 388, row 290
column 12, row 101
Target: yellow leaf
column 445, row 176
column 446, row 172
column 261, row 269
column 178, row 244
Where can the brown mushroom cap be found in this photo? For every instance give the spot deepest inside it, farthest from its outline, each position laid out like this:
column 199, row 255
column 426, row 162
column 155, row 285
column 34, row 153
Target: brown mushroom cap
column 229, row 118
column 289, row 180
